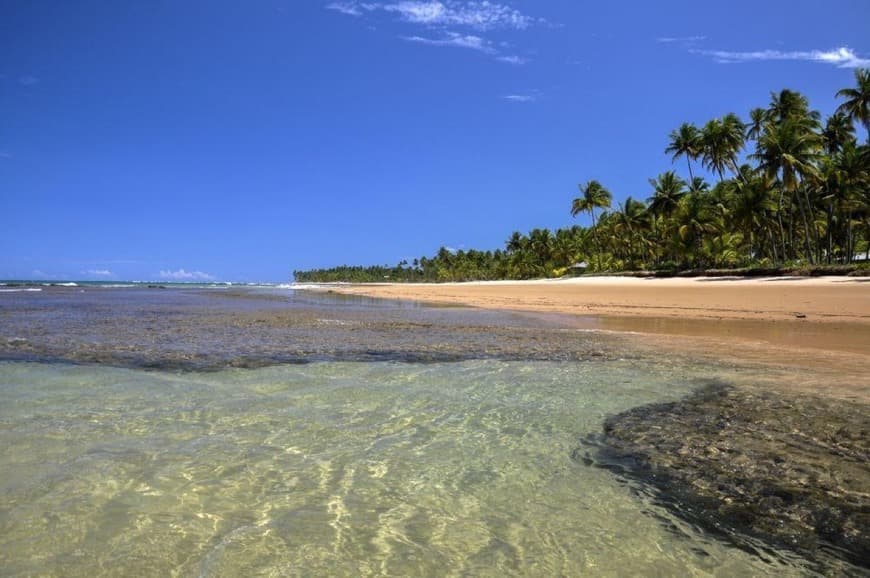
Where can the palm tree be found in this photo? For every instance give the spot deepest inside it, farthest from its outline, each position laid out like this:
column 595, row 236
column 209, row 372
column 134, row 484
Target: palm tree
column 668, row 189
column 722, row 141
column 516, row 242
column 838, row 131
column 594, row 195
column 789, row 104
column 699, row 185
column 685, row 142
column 540, row 243
column 857, row 105
column 750, row 208
column 631, row 220
column 757, row 118
column 695, row 219
column 789, row 150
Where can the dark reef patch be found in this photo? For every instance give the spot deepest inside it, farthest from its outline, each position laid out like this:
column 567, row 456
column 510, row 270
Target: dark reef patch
column 791, row 470
column 197, row 330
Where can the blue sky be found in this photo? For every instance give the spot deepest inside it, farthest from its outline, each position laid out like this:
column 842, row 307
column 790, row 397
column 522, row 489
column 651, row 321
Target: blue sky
column 241, row 140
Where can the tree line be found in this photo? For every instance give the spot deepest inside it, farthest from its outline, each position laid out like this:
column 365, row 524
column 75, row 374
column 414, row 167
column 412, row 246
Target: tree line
column 790, row 189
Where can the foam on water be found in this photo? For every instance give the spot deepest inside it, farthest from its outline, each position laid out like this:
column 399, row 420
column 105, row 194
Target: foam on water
column 337, row 469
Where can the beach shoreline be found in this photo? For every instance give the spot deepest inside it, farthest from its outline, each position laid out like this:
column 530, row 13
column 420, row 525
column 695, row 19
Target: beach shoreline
column 831, row 312
column 820, row 323
column 811, row 299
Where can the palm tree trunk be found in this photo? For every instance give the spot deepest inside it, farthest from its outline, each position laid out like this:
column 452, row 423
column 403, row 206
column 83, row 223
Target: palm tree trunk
column 595, row 236
column 807, row 232
column 849, row 240
column 779, row 221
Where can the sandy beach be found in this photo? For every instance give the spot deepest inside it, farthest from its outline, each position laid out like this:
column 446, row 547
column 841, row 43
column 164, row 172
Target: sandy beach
column 823, row 314
column 822, row 299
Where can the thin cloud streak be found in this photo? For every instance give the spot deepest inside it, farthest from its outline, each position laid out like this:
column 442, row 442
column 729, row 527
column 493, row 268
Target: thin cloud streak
column 348, row 8
column 530, row 96
column 183, row 275
column 455, row 40
column 480, row 15
column 516, row 60
column 842, row 57
column 680, row 39
column 436, row 17
column 98, row 273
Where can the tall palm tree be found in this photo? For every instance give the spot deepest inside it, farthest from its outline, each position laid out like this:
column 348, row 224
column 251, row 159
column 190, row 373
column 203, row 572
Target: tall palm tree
column 838, row 131
column 593, row 195
column 699, row 185
column 722, row 140
column 685, row 142
column 695, row 219
column 857, row 104
column 789, row 104
column 668, row 189
column 750, row 208
column 757, row 118
column 632, row 220
column 789, row 151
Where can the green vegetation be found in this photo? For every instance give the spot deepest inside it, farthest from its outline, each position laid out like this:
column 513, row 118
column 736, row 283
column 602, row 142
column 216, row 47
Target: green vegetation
column 800, row 201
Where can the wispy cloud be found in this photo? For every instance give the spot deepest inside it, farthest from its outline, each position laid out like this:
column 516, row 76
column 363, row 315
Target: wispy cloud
column 27, row 80
column 98, row 273
column 5, row 155
column 437, row 18
column 680, row 39
column 482, row 15
column 349, row 8
column 842, row 57
column 456, row 40
column 182, row 275
column 512, row 59
column 526, row 96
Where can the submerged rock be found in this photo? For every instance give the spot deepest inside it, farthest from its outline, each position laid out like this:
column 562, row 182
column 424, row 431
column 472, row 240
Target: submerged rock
column 791, row 470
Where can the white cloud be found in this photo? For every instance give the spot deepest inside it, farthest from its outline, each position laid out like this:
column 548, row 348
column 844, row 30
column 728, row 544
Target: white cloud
column 456, row 40
column 27, row 80
column 512, row 59
column 481, row 15
column 528, row 96
column 842, row 57
column 182, row 275
column 5, row 155
column 680, row 39
column 442, row 15
column 99, row 273
column 351, row 8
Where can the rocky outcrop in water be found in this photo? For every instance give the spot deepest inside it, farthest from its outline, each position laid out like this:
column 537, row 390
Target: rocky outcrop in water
column 790, row 470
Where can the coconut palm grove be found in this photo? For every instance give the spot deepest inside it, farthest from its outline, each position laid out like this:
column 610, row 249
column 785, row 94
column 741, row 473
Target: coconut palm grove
column 790, row 193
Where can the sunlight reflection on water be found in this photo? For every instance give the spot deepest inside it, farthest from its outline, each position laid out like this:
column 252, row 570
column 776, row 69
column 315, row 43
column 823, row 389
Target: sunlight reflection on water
column 336, row 469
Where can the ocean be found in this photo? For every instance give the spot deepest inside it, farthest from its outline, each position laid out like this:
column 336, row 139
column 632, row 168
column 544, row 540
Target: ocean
column 194, row 431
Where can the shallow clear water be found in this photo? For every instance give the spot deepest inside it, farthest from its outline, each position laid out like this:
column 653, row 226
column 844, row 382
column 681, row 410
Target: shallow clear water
column 338, row 469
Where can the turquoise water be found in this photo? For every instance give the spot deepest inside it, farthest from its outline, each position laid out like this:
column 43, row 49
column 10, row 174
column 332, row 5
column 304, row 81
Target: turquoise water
column 339, row 469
